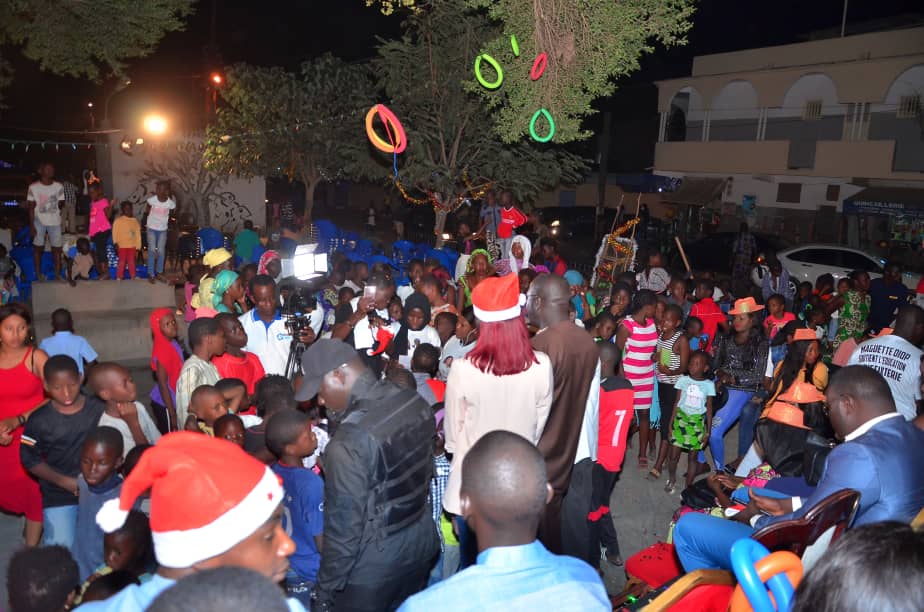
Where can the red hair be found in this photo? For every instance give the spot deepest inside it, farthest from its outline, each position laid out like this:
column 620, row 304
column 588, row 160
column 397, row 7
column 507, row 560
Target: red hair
column 503, row 348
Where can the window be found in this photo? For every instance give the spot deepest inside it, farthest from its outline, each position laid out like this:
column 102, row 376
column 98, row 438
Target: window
column 856, row 261
column 909, row 107
column 789, row 192
column 833, row 193
column 812, row 110
column 818, row 257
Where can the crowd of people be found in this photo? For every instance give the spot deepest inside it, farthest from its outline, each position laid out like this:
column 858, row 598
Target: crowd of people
column 451, row 441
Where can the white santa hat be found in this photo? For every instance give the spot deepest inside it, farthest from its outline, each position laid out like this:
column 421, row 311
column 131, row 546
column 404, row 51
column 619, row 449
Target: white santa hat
column 207, row 495
column 498, row 299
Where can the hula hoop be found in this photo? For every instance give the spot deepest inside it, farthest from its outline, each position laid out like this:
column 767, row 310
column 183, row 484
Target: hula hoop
column 541, row 61
column 497, row 68
column 392, row 125
column 532, row 125
column 756, row 570
column 515, row 45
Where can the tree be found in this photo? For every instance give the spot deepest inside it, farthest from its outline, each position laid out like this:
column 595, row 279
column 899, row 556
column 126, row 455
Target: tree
column 306, row 126
column 589, row 44
column 83, row 38
column 186, row 170
column 452, row 147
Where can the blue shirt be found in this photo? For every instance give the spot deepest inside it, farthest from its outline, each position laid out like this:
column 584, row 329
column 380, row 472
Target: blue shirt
column 303, row 518
column 67, row 343
column 88, row 539
column 137, row 598
column 526, row 577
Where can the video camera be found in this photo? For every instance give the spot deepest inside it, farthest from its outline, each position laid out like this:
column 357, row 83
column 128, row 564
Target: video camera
column 297, row 309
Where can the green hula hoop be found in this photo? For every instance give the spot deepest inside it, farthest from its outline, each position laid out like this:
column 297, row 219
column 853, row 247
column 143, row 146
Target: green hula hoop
column 532, row 125
column 497, row 68
column 515, row 45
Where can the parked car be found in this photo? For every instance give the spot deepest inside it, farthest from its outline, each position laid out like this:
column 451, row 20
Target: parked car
column 809, row 261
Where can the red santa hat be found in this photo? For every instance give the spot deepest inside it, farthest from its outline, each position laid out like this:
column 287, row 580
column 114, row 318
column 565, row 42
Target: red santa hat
column 207, row 495
column 498, row 299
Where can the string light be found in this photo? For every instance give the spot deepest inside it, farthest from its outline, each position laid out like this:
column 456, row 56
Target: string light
column 471, row 193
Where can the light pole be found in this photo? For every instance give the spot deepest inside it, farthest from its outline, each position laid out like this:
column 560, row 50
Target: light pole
column 120, row 86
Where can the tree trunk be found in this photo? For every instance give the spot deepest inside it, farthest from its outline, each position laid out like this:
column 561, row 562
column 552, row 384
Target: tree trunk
column 439, row 223
column 310, row 186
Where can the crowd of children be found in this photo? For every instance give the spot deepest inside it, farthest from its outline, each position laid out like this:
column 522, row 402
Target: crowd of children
column 670, row 352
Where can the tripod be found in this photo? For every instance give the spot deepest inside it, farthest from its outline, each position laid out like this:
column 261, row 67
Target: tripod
column 294, row 361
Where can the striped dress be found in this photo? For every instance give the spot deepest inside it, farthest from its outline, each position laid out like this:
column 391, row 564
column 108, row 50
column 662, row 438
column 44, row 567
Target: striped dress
column 673, row 364
column 637, row 365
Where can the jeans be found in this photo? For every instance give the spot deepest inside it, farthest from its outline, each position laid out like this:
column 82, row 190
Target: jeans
column 60, row 525
column 157, row 241
column 749, row 416
column 505, row 244
column 446, row 565
column 724, row 420
column 704, row 542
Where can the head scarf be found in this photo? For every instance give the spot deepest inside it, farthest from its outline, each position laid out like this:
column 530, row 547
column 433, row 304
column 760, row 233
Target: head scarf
column 515, row 264
column 470, row 266
column 267, row 257
column 223, row 281
column 575, row 278
column 165, row 350
column 415, row 300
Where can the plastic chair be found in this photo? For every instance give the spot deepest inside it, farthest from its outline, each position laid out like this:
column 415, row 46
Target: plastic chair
column 402, row 253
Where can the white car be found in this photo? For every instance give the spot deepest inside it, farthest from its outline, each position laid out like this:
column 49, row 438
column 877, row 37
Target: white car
column 809, row 261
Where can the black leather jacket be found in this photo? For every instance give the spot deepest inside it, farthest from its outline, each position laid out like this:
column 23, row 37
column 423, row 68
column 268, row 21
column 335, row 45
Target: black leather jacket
column 746, row 362
column 378, row 467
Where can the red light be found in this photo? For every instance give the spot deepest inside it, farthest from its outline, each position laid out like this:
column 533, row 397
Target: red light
column 216, row 78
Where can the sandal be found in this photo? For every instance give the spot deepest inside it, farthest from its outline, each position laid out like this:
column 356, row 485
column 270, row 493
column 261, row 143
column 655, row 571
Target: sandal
column 654, row 474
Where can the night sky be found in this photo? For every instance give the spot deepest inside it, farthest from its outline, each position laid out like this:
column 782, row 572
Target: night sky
column 285, row 32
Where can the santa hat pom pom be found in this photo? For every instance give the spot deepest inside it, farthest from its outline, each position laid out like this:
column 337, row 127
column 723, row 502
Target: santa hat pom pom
column 522, row 299
column 110, row 517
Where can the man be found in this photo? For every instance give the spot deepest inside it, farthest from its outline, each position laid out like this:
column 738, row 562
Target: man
column 886, row 295
column 379, row 537
column 246, row 241
column 575, row 365
column 369, row 316
column 203, row 515
column 880, row 457
column 45, row 199
column 267, row 335
column 551, row 258
column 504, row 490
column 897, row 357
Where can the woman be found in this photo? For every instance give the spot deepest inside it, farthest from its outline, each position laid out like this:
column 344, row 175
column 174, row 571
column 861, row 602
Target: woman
column 215, row 260
column 461, row 344
column 504, row 365
column 21, row 392
column 479, row 267
column 620, row 298
column 852, row 309
column 636, row 339
column 801, row 364
column 415, row 330
column 166, row 363
column 517, row 258
column 270, row 264
column 228, row 293
column 584, row 302
column 739, row 365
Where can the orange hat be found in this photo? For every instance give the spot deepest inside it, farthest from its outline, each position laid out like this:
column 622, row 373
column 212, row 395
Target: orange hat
column 745, row 306
column 885, row 331
column 207, row 495
column 787, row 414
column 804, row 333
column 498, row 299
column 802, row 393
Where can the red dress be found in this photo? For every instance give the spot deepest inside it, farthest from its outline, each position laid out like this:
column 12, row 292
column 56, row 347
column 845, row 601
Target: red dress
column 20, row 391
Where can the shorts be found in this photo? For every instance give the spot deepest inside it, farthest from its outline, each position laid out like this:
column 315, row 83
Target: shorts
column 55, row 235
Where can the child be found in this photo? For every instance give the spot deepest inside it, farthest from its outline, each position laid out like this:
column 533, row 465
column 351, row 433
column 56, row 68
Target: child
column 114, row 385
column 43, row 578
column 678, row 296
column 159, row 206
column 415, row 329
column 230, row 427
column 98, row 482
column 843, row 286
column 777, row 283
column 671, row 357
column 248, row 273
column 691, row 420
column 214, row 261
column 445, row 326
column 803, row 299
column 424, row 365
column 190, row 288
column 448, row 561
column 100, row 229
column 129, row 549
column 290, row 439
column 430, row 286
column 274, row 394
column 234, row 392
column 604, row 328
column 395, row 309
column 693, row 331
column 319, row 427
column 708, row 312
column 64, row 341
column 777, row 318
column 236, row 362
column 617, row 397
column 126, row 235
column 572, row 315
column 106, row 586
column 510, row 219
column 206, row 405
column 79, row 268
column 8, row 270
column 206, row 340
column 166, row 364
column 526, row 278
column 345, row 295
column 51, row 445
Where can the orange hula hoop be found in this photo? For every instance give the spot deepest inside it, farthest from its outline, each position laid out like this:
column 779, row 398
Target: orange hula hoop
column 392, row 126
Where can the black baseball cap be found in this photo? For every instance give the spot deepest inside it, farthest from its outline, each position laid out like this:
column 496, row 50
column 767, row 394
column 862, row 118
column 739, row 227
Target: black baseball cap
column 325, row 355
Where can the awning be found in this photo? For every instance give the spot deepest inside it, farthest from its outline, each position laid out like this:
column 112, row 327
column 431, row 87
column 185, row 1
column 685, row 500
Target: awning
column 697, row 191
column 886, row 201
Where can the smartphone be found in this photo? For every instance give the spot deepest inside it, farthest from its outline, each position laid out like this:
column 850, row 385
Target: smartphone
column 369, row 292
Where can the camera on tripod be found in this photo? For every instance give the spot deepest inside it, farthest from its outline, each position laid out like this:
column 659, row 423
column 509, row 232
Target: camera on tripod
column 297, row 311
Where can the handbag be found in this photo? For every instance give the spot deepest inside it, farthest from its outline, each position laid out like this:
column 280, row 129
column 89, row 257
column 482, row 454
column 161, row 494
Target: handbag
column 817, row 449
column 698, row 495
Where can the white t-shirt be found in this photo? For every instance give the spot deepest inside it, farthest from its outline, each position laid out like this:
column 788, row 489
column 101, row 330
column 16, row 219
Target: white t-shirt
column 364, row 334
column 427, row 335
column 657, row 280
column 46, row 198
column 899, row 362
column 148, row 428
column 159, row 216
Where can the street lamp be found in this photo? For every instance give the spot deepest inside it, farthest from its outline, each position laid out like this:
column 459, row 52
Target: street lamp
column 156, row 125
column 120, row 86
